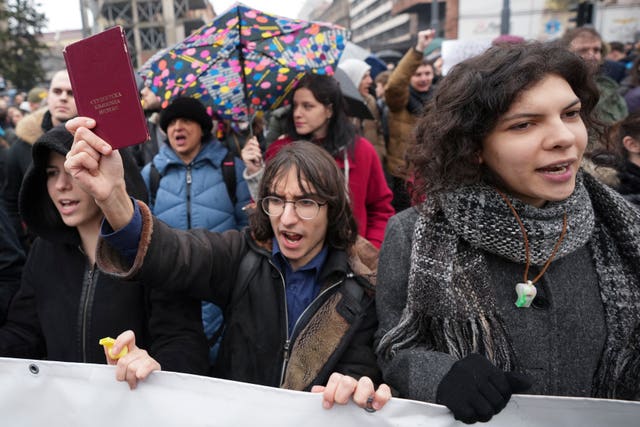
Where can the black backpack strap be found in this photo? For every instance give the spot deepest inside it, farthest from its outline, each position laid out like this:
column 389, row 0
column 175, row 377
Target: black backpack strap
column 154, row 183
column 229, row 176
column 246, row 270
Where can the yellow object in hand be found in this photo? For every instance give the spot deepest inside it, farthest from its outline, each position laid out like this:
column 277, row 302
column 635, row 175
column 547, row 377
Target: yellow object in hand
column 108, row 342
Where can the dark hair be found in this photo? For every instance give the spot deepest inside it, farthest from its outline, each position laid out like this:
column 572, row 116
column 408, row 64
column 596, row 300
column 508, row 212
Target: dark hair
column 617, row 47
column 185, row 107
column 573, row 33
column 634, row 73
column 629, row 126
column 383, row 77
column 429, row 62
column 326, row 90
column 317, row 168
column 473, row 96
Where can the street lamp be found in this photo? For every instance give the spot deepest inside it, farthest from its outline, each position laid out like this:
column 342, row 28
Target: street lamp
column 435, row 23
column 505, row 17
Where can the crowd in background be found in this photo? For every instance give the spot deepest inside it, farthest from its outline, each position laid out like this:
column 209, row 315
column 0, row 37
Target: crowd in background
column 429, row 185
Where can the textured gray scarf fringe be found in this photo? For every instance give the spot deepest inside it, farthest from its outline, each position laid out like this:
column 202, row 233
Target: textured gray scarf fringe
column 451, row 308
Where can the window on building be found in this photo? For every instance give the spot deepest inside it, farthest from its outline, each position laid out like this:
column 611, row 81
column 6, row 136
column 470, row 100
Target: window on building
column 149, row 11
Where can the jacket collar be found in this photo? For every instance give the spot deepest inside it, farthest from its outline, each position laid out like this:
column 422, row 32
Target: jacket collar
column 212, row 152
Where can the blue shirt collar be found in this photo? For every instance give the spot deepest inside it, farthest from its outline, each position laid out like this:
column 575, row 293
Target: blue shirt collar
column 317, row 262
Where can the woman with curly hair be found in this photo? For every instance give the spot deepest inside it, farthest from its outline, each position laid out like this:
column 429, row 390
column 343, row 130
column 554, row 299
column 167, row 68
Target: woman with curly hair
column 518, row 272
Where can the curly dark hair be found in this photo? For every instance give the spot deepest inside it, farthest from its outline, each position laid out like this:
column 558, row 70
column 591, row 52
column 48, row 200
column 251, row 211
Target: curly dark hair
column 317, row 174
column 470, row 100
column 326, row 90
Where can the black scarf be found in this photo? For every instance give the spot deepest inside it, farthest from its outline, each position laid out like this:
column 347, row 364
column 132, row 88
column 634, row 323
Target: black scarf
column 417, row 100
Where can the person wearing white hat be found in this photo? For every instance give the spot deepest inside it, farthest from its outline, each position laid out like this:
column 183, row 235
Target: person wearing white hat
column 358, row 72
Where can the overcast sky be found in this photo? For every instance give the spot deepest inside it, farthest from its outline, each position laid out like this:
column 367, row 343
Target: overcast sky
column 65, row 14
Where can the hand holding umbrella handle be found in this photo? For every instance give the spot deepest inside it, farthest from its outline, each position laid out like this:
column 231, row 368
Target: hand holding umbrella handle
column 252, row 156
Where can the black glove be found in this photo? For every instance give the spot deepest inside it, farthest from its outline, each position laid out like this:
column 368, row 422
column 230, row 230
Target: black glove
column 475, row 390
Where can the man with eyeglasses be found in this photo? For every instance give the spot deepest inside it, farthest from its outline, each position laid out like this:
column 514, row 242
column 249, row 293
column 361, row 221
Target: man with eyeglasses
column 61, row 106
column 297, row 296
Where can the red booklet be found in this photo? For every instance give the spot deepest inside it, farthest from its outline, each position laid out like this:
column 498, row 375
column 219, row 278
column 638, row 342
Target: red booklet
column 105, row 89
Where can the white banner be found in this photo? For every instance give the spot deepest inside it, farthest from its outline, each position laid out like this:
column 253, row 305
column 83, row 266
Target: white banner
column 37, row 393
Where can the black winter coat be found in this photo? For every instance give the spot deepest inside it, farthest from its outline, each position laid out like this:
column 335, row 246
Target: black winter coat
column 335, row 334
column 629, row 187
column 11, row 262
column 65, row 306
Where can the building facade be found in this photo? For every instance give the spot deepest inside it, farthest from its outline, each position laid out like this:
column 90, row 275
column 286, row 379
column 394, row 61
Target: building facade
column 150, row 25
column 393, row 24
column 380, row 25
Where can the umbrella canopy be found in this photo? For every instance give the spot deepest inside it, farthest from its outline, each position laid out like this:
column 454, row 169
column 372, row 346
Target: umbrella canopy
column 389, row 56
column 356, row 106
column 245, row 60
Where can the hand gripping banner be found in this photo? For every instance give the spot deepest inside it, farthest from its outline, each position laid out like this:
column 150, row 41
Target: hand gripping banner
column 37, row 393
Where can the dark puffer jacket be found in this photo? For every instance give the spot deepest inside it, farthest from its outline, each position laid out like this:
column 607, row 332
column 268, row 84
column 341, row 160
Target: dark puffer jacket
column 235, row 272
column 65, row 305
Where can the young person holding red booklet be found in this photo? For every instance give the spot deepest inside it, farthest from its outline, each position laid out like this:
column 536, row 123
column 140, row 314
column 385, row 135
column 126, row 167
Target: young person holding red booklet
column 294, row 286
column 65, row 304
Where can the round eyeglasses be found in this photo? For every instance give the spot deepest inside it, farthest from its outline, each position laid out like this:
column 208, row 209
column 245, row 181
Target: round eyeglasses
column 305, row 208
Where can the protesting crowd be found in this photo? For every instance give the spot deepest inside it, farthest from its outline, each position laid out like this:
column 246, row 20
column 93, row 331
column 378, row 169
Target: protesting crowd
column 477, row 235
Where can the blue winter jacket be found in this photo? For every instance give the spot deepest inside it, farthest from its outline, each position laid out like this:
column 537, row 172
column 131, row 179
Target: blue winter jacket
column 195, row 195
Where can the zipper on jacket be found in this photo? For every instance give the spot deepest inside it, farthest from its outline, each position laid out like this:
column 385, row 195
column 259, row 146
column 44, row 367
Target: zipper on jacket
column 287, row 344
column 90, row 283
column 189, row 196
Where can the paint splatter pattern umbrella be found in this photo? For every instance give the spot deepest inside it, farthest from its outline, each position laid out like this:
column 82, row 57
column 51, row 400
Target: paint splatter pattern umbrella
column 245, row 60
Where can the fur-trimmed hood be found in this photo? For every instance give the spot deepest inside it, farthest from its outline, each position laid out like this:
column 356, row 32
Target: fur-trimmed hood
column 34, row 125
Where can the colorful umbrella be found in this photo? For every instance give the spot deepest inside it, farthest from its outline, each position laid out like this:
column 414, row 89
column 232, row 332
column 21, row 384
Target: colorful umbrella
column 245, row 60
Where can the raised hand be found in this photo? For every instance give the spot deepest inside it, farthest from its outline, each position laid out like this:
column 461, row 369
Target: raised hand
column 91, row 160
column 98, row 170
column 252, row 156
column 425, row 37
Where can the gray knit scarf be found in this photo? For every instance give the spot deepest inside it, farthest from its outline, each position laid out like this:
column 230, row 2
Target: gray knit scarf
column 452, row 308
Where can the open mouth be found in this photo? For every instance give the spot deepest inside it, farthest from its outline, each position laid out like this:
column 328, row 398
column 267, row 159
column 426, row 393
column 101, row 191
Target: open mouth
column 555, row 169
column 68, row 203
column 291, row 237
column 68, row 207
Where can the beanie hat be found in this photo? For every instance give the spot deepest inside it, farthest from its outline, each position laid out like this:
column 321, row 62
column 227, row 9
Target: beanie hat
column 36, row 95
column 24, row 106
column 186, row 108
column 507, row 39
column 355, row 69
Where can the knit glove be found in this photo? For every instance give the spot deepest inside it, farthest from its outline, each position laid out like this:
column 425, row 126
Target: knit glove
column 475, row 390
